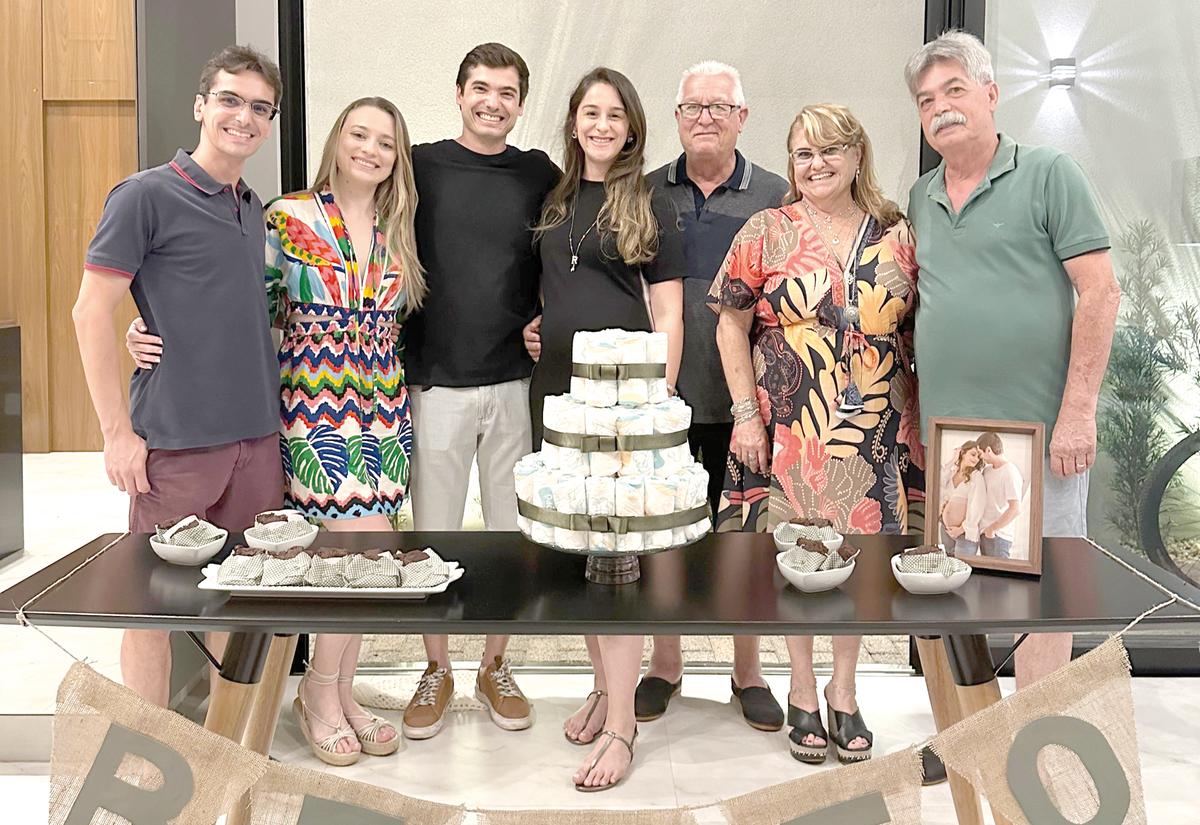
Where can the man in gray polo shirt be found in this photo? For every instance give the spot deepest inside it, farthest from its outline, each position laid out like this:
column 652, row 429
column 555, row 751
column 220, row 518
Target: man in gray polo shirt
column 715, row 191
column 1017, row 296
column 200, row 434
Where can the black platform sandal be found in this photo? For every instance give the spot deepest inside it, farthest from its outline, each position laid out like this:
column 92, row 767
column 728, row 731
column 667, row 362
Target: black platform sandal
column 805, row 723
column 844, row 728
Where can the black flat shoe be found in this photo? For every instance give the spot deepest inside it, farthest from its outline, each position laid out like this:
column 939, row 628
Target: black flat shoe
column 844, row 728
column 803, row 723
column 759, row 707
column 933, row 770
column 652, row 696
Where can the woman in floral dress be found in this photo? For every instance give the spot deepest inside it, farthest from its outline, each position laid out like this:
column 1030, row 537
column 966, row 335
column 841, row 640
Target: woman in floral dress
column 342, row 273
column 815, row 298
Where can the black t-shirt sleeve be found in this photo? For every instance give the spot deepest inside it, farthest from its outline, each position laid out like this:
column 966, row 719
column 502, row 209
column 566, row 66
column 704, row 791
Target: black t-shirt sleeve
column 670, row 262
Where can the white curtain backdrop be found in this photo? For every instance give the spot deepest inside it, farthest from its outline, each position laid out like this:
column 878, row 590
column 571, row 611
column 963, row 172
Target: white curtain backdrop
column 790, row 52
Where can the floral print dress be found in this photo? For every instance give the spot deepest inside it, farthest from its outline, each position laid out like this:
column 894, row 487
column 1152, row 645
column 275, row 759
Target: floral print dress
column 862, row 472
column 346, row 425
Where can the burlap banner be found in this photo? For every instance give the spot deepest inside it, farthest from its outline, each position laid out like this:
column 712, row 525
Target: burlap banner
column 139, row 763
column 1062, row 750
column 298, row 796
column 883, row 790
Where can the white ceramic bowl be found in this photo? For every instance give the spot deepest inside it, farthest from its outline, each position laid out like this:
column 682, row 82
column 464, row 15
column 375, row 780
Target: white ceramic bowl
column 782, row 533
column 255, row 539
column 813, row 582
column 188, row 556
column 923, row 584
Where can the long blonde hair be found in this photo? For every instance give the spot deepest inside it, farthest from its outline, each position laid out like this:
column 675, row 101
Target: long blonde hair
column 828, row 124
column 626, row 212
column 395, row 198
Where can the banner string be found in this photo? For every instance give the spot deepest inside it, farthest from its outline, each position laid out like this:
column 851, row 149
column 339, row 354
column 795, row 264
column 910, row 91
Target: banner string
column 1175, row 597
column 23, row 618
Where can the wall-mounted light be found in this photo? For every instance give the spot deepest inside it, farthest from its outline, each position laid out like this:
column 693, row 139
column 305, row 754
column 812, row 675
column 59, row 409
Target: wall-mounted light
column 1062, row 73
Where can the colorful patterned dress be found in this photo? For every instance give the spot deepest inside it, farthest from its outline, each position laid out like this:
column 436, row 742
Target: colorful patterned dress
column 862, row 472
column 346, row 426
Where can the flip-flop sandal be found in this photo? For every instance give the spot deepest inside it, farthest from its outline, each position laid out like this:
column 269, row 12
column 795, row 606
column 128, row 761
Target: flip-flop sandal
column 593, row 702
column 612, row 735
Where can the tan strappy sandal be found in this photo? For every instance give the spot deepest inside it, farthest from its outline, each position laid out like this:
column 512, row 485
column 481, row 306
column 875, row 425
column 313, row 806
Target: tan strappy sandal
column 326, row 748
column 612, row 736
column 368, row 734
column 592, row 701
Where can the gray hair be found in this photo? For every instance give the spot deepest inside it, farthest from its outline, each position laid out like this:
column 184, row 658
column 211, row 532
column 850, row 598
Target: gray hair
column 960, row 47
column 714, row 68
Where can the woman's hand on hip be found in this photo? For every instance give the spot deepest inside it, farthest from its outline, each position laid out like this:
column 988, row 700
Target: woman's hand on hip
column 751, row 447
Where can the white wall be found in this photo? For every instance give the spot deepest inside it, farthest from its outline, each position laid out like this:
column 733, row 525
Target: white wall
column 1133, row 116
column 790, row 52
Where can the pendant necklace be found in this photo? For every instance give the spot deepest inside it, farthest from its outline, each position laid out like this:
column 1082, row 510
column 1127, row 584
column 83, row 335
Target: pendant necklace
column 571, row 234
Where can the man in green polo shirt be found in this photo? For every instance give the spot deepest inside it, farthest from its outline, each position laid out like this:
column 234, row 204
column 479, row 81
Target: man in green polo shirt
column 1017, row 296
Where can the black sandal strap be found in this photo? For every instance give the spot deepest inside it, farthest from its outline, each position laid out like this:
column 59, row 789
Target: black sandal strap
column 803, row 723
column 850, row 726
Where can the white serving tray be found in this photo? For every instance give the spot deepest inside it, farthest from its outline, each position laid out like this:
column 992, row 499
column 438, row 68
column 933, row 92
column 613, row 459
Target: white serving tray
column 210, row 583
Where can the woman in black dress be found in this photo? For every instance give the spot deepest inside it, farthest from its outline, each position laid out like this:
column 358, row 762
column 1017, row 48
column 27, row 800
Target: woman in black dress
column 611, row 257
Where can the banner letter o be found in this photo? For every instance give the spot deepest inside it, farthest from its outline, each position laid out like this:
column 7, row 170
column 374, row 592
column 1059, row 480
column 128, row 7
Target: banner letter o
column 1087, row 743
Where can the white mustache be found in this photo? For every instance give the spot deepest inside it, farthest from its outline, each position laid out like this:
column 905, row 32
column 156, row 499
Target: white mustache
column 947, row 119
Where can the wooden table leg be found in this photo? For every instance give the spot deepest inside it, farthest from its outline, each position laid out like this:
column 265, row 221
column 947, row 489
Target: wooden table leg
column 264, row 714
column 233, row 693
column 943, row 699
column 971, row 666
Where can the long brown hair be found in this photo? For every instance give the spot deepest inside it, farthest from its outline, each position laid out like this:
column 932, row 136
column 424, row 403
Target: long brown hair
column 962, row 450
column 828, row 124
column 395, row 198
column 626, row 211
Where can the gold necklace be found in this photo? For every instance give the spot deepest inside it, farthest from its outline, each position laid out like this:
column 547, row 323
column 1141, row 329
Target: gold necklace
column 828, row 220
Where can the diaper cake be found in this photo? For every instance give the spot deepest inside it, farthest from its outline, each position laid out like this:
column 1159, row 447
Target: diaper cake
column 614, row 474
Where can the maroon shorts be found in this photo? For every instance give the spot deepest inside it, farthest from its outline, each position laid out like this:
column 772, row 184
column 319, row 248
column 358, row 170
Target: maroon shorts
column 227, row 485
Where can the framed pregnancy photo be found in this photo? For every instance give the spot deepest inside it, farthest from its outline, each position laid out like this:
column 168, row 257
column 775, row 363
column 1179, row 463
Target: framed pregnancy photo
column 984, row 492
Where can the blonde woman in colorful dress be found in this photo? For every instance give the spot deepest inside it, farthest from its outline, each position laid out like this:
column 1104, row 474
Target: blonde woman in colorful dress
column 341, row 274
column 815, row 301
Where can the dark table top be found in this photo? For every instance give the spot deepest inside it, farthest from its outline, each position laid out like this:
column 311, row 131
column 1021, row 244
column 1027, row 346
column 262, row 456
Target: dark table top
column 725, row 583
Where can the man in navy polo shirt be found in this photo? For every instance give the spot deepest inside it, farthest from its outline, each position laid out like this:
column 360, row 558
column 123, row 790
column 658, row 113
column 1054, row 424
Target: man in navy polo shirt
column 715, row 190
column 200, row 433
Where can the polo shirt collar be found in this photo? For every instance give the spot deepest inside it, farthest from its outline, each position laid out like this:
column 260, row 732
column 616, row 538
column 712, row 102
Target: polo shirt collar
column 194, row 174
column 1004, row 160
column 739, row 179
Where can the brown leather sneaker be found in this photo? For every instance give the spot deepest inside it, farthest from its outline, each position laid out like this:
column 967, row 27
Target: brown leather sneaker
column 496, row 688
column 425, row 713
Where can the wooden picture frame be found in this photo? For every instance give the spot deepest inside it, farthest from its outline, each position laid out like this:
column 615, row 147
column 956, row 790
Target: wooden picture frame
column 965, row 492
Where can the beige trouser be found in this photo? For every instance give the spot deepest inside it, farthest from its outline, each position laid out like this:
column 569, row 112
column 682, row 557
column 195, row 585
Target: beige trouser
column 452, row 426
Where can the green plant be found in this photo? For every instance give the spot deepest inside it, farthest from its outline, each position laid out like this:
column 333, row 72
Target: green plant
column 1145, row 352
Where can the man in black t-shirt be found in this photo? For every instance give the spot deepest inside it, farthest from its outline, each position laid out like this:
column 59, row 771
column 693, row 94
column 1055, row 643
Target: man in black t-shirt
column 466, row 364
